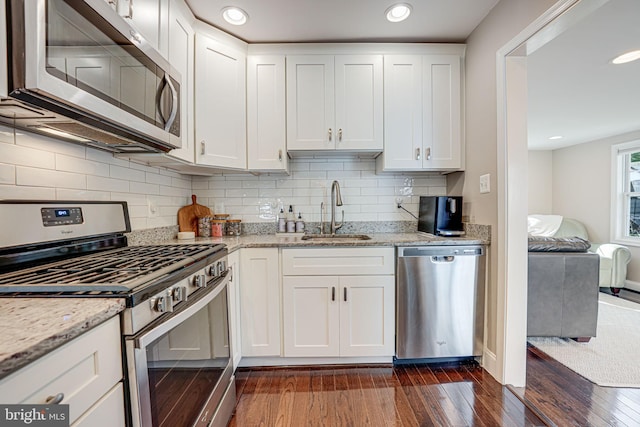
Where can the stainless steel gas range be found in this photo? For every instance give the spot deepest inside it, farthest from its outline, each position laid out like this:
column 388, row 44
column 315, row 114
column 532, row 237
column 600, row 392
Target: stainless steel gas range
column 175, row 325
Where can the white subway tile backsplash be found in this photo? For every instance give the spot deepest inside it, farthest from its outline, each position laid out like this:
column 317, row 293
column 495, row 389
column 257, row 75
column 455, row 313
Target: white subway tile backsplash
column 107, row 184
column 35, row 177
column 80, row 165
column 26, row 156
column 156, row 178
column 51, row 145
column 126, row 173
column 7, row 174
column 144, row 188
column 27, row 193
column 333, row 166
column 69, row 194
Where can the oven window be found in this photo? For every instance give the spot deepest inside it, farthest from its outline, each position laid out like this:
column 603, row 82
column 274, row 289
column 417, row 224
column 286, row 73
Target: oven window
column 86, row 51
column 185, row 365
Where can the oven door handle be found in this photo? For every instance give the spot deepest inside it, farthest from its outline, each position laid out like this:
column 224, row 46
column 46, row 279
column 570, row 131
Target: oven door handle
column 178, row 317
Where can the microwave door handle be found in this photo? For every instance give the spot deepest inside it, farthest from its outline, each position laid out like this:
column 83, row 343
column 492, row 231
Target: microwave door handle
column 174, row 103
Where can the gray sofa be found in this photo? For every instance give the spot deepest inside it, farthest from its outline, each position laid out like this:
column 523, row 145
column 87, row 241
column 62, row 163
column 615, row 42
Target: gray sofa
column 563, row 295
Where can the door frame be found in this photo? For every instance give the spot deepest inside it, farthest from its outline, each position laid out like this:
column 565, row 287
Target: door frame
column 512, row 149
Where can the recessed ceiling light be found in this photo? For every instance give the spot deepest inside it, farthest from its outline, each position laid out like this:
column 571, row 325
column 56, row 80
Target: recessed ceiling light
column 398, row 12
column 556, row 137
column 234, row 15
column 627, row 57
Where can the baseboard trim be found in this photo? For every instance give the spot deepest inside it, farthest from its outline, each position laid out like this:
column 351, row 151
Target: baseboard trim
column 490, row 364
column 301, row 361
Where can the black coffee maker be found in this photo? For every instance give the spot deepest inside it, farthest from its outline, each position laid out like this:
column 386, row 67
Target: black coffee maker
column 441, row 215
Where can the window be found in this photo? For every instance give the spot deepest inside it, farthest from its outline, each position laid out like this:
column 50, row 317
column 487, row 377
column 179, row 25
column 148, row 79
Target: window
column 625, row 215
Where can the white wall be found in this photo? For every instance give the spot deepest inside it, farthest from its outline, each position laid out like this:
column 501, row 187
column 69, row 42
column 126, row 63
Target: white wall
column 37, row 167
column 539, row 180
column 366, row 196
column 507, row 19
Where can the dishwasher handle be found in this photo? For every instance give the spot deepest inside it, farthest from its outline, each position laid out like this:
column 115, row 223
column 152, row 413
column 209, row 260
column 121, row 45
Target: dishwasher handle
column 440, row 251
column 442, row 259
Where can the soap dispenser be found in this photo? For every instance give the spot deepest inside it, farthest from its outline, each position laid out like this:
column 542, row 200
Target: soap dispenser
column 299, row 224
column 282, row 222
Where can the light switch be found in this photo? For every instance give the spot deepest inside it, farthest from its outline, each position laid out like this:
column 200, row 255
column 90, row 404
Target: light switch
column 485, row 183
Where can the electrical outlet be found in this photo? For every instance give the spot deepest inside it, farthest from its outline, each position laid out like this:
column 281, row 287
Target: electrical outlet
column 153, row 210
column 485, row 183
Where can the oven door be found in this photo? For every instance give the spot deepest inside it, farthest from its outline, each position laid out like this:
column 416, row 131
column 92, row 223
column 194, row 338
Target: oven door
column 180, row 371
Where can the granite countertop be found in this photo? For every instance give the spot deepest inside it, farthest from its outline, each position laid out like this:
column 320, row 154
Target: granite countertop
column 32, row 327
column 294, row 240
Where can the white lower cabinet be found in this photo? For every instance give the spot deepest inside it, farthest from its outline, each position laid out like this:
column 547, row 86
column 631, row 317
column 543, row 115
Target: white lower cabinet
column 87, row 372
column 260, row 302
column 344, row 316
column 338, row 302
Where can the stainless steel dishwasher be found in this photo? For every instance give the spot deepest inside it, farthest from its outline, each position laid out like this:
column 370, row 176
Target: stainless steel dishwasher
column 440, row 301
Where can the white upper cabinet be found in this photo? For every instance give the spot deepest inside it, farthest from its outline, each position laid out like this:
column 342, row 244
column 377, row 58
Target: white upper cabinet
column 334, row 102
column 181, row 46
column 150, row 18
column 220, row 100
column 266, row 113
column 422, row 106
column 442, row 113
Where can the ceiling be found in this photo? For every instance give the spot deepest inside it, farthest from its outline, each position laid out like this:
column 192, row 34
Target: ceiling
column 574, row 90
column 285, row 21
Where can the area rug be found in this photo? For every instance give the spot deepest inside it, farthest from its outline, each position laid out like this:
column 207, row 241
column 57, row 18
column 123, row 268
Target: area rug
column 612, row 358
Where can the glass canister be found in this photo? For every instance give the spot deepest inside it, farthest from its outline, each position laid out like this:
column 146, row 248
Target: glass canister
column 204, row 226
column 234, row 227
column 217, row 227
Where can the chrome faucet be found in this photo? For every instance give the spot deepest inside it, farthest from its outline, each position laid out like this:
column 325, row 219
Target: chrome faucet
column 336, row 200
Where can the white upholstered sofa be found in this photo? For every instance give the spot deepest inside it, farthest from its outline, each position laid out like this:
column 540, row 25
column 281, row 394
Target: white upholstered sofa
column 613, row 257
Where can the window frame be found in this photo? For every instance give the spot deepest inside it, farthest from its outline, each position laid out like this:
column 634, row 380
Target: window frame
column 621, row 194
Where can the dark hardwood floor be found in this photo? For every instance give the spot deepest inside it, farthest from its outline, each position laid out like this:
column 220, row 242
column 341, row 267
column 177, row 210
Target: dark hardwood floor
column 409, row 395
column 567, row 399
column 419, row 395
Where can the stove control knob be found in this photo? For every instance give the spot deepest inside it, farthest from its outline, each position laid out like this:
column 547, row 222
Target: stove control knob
column 214, row 270
column 222, row 266
column 163, row 304
column 200, row 281
column 179, row 294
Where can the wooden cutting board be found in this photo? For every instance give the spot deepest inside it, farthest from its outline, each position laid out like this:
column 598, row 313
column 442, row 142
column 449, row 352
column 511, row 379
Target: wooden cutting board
column 188, row 215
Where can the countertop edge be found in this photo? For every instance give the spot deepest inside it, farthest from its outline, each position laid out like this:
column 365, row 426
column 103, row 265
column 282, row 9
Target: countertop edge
column 18, row 351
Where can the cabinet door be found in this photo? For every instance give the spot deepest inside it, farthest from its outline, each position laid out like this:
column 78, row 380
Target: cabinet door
column 310, row 316
column 367, row 315
column 181, row 57
column 441, row 113
column 149, row 17
column 234, row 307
column 266, row 114
column 220, row 98
column 402, row 113
column 310, row 102
column 260, row 302
column 358, row 102
column 107, row 412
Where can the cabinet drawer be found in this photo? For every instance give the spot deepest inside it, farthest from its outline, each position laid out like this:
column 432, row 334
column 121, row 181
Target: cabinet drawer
column 337, row 261
column 107, row 412
column 84, row 370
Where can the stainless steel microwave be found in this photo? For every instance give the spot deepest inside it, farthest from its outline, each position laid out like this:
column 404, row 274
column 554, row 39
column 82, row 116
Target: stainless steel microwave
column 77, row 70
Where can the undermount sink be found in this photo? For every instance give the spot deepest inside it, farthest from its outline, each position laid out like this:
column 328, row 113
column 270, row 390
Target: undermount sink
column 333, row 237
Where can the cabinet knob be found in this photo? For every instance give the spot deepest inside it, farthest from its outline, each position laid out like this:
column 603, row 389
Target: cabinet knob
column 333, row 293
column 345, row 294
column 428, row 153
column 417, row 154
column 339, row 134
column 330, row 133
column 202, row 147
column 280, row 155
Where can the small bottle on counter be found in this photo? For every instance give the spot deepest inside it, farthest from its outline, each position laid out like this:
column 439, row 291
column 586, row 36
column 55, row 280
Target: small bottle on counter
column 299, row 224
column 217, row 227
column 282, row 222
column 291, row 220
